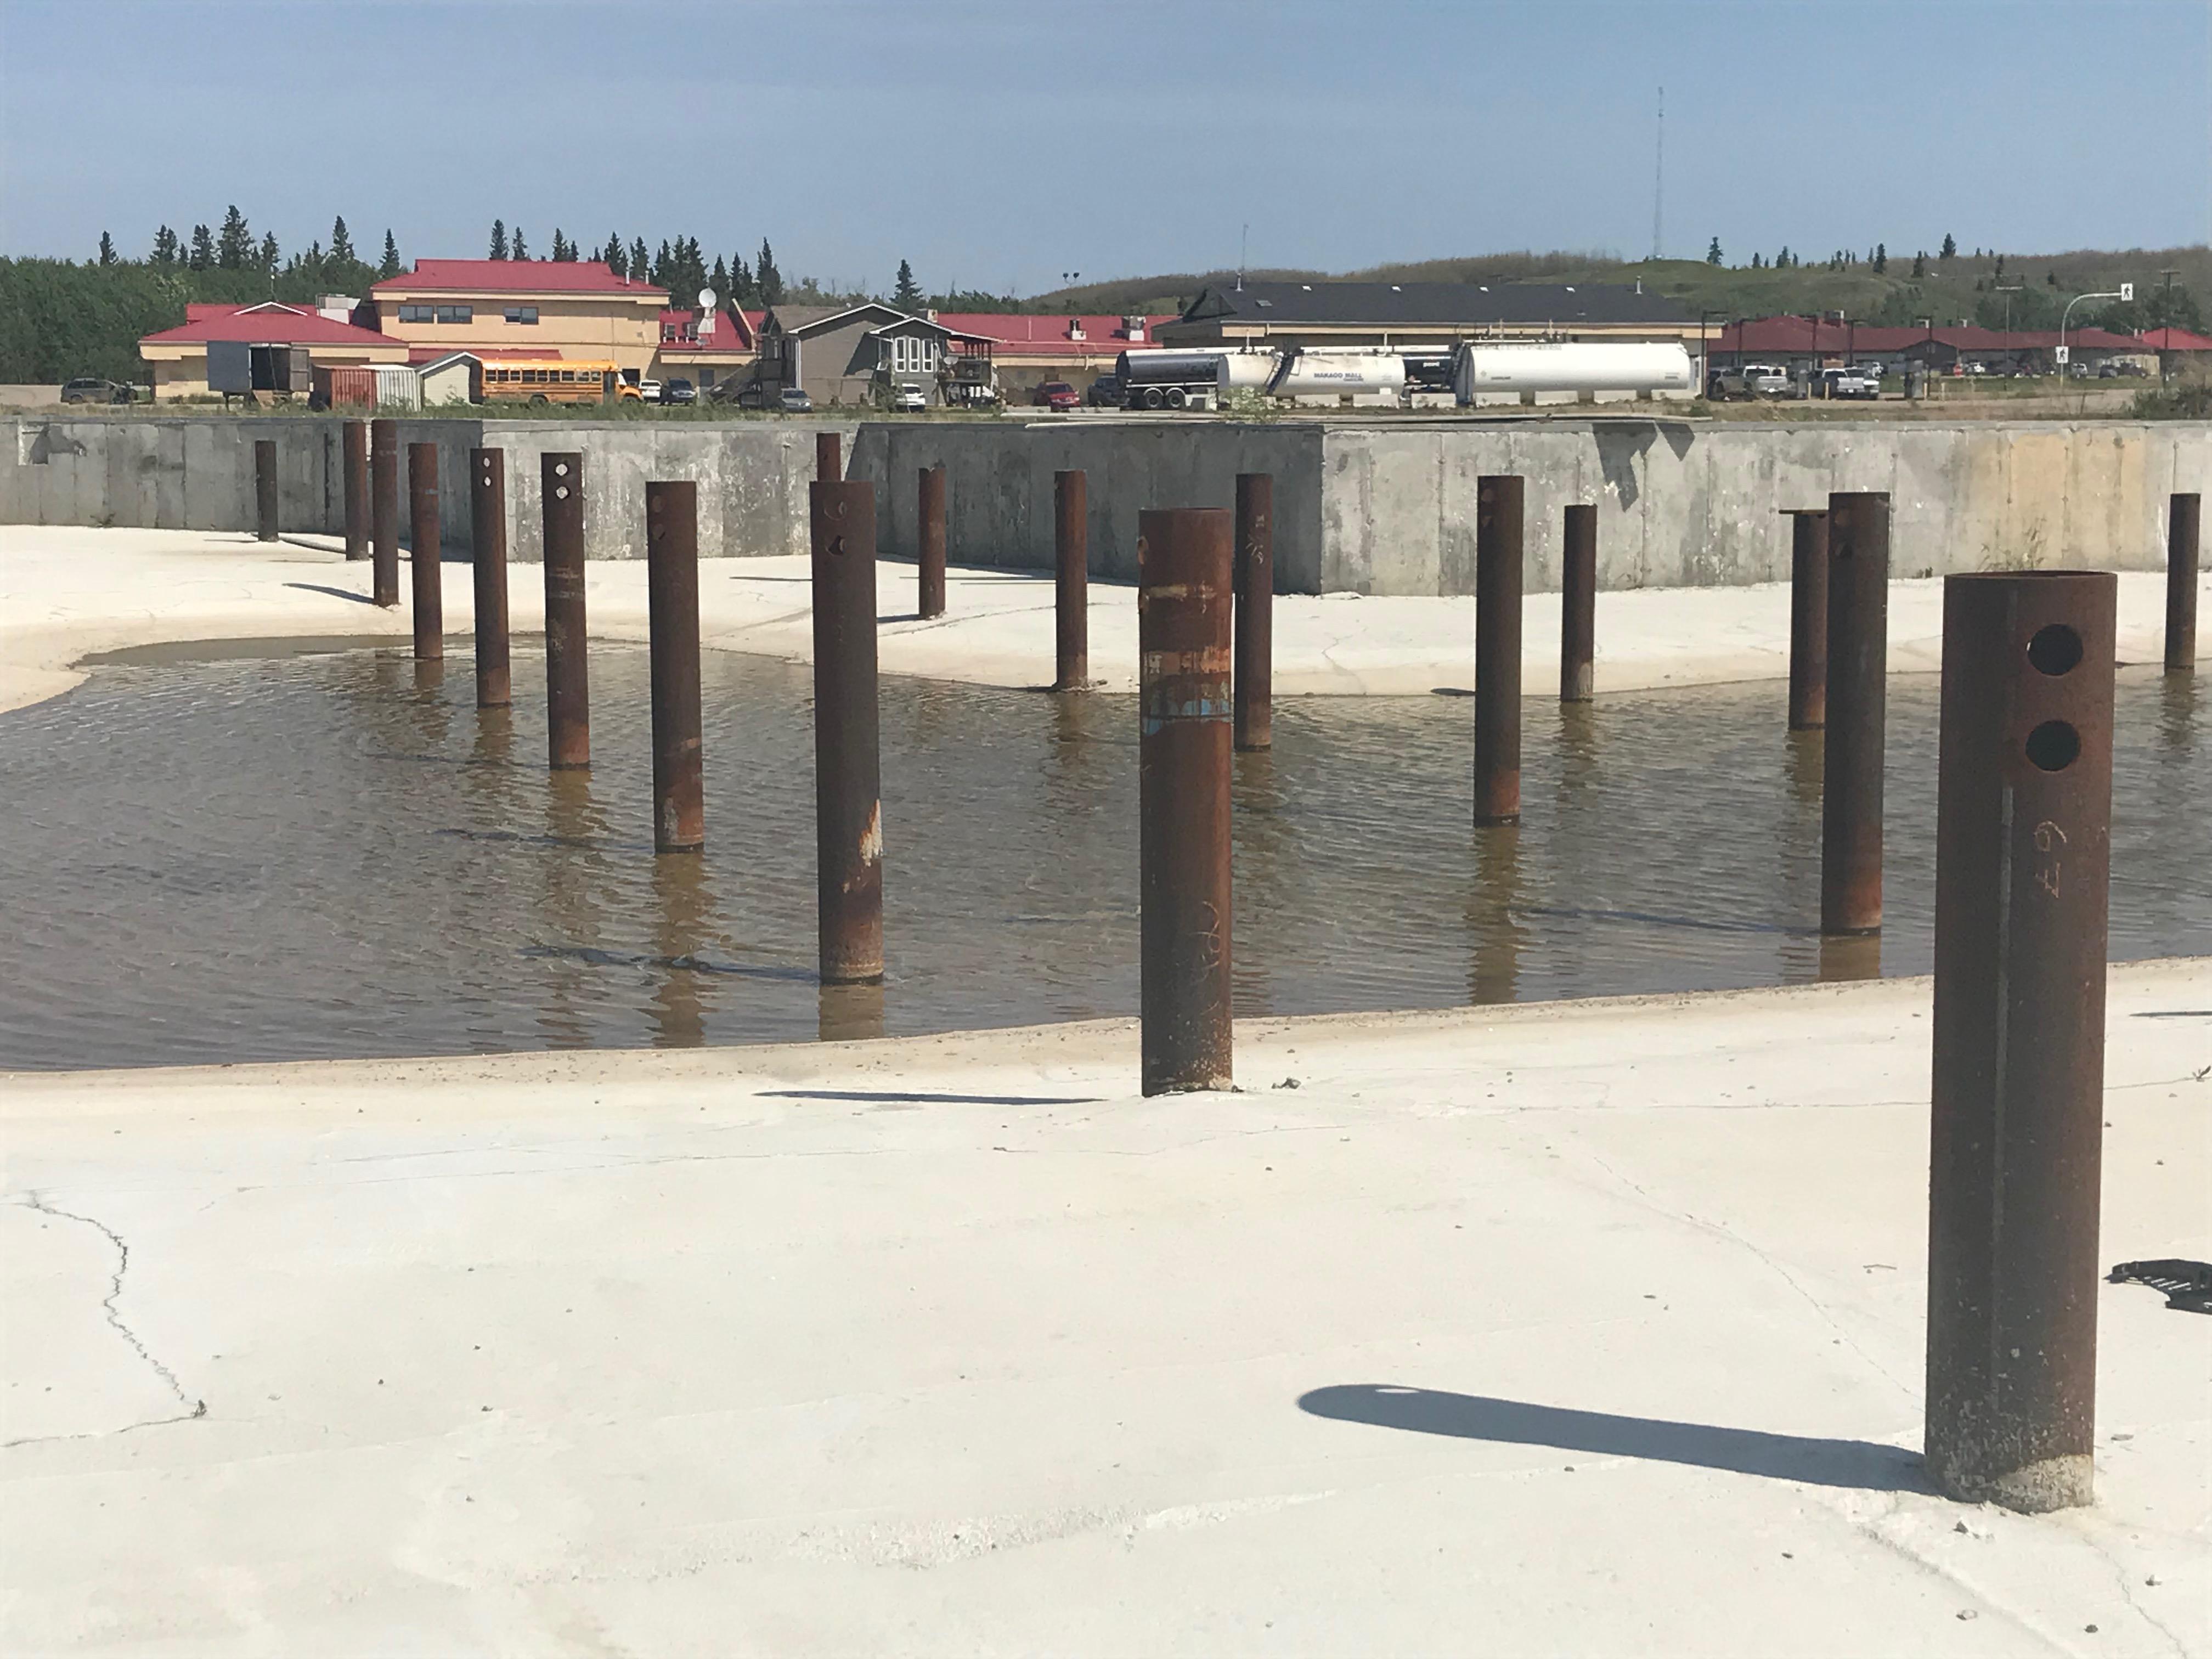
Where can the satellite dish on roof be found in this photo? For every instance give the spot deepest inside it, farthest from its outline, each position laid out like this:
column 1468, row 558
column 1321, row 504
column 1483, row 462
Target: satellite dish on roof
column 706, row 298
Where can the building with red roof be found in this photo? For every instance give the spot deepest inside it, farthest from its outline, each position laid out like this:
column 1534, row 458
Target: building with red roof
column 706, row 349
column 1818, row 343
column 1031, row 348
column 561, row 308
column 176, row 358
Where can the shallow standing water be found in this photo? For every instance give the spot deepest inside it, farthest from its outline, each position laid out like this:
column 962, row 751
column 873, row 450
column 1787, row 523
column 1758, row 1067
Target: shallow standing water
column 314, row 856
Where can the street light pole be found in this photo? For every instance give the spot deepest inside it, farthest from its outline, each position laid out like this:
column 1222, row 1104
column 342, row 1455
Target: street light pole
column 2124, row 293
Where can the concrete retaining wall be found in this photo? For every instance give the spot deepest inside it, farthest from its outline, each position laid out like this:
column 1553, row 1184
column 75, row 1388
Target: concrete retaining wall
column 1386, row 508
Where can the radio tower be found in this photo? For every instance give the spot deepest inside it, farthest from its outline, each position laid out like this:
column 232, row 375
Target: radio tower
column 1659, row 173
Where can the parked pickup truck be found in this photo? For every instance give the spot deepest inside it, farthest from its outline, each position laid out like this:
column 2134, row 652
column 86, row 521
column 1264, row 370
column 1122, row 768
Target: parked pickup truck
column 1751, row 380
column 1853, row 381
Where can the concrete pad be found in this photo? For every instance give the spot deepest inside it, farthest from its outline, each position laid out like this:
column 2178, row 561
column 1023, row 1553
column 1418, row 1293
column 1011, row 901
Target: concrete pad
column 66, row 593
column 1576, row 1328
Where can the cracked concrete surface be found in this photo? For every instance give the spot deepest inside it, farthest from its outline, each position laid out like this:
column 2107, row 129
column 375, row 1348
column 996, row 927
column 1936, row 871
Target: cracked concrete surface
column 955, row 1345
column 66, row 593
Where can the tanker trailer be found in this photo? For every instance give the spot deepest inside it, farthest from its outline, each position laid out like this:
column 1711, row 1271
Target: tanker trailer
column 1571, row 366
column 1172, row 379
column 1339, row 375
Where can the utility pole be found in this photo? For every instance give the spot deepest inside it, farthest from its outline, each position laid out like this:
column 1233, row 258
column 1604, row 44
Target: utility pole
column 1659, row 174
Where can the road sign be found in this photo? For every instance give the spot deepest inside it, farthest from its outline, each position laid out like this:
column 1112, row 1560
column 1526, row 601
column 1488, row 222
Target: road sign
column 2064, row 354
column 2127, row 293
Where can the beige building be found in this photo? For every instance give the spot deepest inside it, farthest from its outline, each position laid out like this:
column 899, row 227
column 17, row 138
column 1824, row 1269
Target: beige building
column 576, row 309
column 177, row 358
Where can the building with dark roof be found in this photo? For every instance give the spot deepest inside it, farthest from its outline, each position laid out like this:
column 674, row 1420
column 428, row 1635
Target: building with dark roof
column 1386, row 315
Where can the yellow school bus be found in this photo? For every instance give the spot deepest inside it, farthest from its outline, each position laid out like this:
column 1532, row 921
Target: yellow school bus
column 555, row 380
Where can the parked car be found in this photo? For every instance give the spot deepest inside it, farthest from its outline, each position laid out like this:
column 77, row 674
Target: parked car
column 1106, row 392
column 650, row 391
column 909, row 398
column 92, row 390
column 1056, row 394
column 1751, row 380
column 1850, row 381
column 679, row 391
column 793, row 400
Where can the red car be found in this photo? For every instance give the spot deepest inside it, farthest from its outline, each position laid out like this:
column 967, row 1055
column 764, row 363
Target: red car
column 1056, row 394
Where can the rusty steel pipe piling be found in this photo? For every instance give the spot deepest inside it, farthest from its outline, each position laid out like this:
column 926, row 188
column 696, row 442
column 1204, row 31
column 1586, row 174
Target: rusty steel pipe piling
column 355, row 437
column 671, row 575
column 1578, row 605
column 929, row 578
column 425, row 551
column 384, row 510
column 848, row 830
column 1071, row 591
column 1254, row 725
column 1185, row 601
column 488, row 555
column 2023, row 821
column 568, row 658
column 265, row 490
column 829, row 460
column 2182, row 513
column 1808, row 618
column 1497, row 556
column 1857, row 712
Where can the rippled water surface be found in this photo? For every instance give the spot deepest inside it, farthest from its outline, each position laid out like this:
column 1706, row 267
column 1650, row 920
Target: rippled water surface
column 314, row 856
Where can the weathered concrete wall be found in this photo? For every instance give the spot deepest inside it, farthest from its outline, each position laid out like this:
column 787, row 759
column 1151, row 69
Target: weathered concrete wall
column 999, row 487
column 1386, row 508
column 1686, row 505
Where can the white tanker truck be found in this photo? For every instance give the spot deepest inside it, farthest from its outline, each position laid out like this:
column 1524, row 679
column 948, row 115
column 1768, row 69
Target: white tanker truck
column 1202, row 379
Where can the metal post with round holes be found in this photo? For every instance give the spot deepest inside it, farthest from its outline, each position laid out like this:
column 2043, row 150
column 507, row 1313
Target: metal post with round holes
column 1578, row 605
column 2023, row 819
column 1185, row 600
column 425, row 551
column 1808, row 617
column 1852, row 743
column 929, row 579
column 567, row 657
column 384, row 510
column 1253, row 726
column 671, row 578
column 2182, row 513
column 849, row 823
column 356, row 489
column 487, row 554
column 829, row 462
column 1070, row 593
column 265, row 490
column 1497, row 554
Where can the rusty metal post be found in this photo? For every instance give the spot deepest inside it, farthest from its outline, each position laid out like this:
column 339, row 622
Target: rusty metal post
column 1578, row 605
column 1071, row 597
column 828, row 464
column 425, row 551
column 930, row 577
column 2023, row 818
column 356, row 489
column 567, row 659
column 488, row 552
column 1808, row 618
column 672, row 576
column 1852, row 743
column 2182, row 512
column 384, row 510
column 1497, row 554
column 1185, row 600
column 849, row 829
column 265, row 490
column 1254, row 723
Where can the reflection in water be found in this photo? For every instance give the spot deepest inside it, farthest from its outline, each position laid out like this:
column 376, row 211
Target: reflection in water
column 1850, row 956
column 1496, row 933
column 307, row 858
column 430, row 674
column 1807, row 753
column 850, row 1013
column 683, row 905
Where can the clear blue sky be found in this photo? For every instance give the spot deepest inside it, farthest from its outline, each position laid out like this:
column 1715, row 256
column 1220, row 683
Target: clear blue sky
column 997, row 143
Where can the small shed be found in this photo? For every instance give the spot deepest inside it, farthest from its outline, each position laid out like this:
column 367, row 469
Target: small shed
column 455, row 378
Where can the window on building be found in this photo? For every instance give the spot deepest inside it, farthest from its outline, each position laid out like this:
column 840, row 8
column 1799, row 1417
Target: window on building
column 415, row 313
column 522, row 313
column 455, row 313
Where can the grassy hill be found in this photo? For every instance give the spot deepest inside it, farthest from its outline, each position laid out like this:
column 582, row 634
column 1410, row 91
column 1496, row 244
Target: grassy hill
column 1964, row 289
